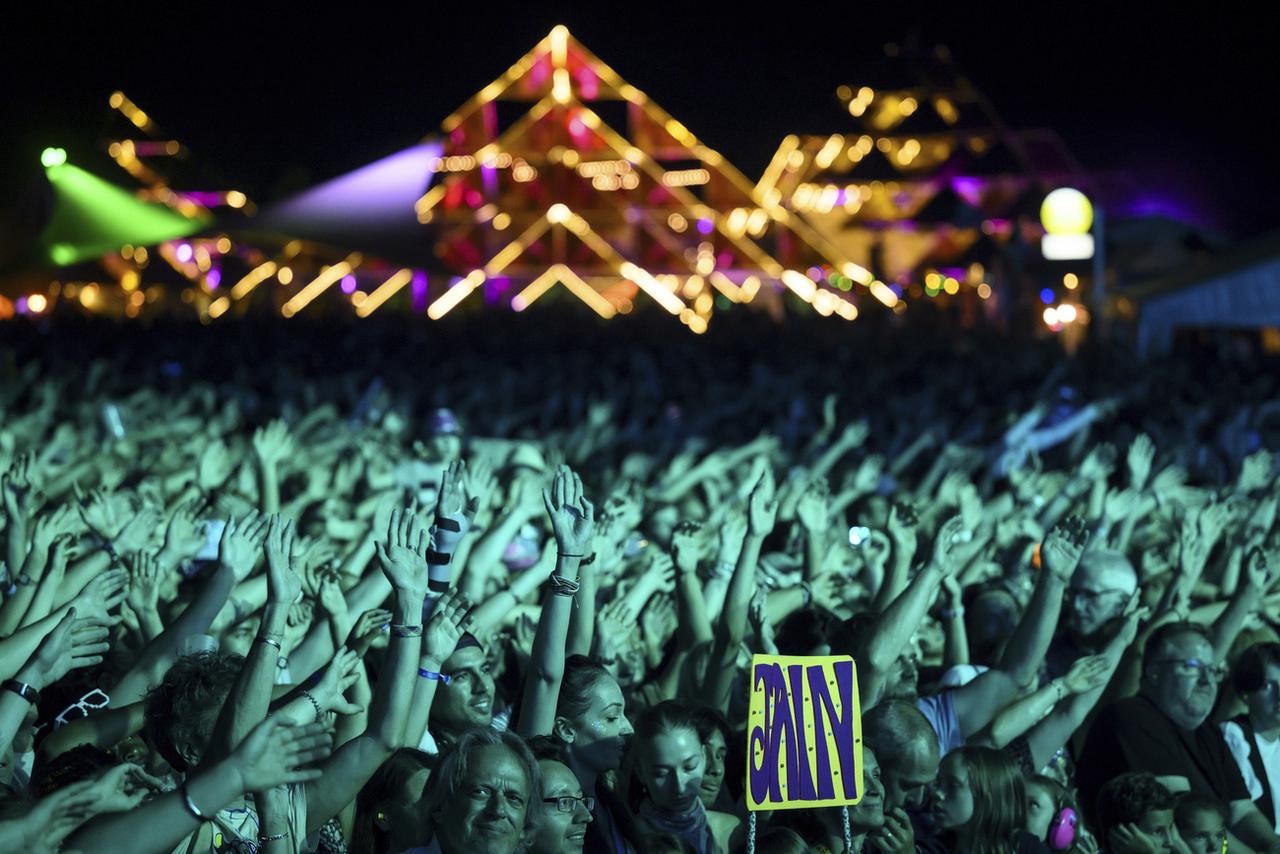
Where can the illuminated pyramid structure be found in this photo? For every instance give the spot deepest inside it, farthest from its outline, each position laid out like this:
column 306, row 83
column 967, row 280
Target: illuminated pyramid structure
column 560, row 172
column 929, row 187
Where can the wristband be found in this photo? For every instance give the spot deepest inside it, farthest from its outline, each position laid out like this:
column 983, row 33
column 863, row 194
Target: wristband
column 278, row 836
column 807, row 593
column 561, row 586
column 111, row 551
column 407, row 631
column 23, row 690
column 952, row 613
column 447, row 524
column 271, row 642
column 435, row 558
column 588, row 560
column 566, row 554
column 442, row 678
column 191, row 805
column 314, row 702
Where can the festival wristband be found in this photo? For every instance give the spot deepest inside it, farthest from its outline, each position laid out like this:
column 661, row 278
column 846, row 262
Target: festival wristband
column 191, row 805
column 23, row 690
column 407, row 631
column 442, row 678
column 444, row 523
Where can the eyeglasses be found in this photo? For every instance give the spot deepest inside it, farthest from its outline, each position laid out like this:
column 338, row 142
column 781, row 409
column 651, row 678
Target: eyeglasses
column 1192, row 668
column 568, row 803
column 94, row 700
column 1093, row 596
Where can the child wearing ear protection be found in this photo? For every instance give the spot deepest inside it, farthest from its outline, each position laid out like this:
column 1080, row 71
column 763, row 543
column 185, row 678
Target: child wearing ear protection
column 1051, row 815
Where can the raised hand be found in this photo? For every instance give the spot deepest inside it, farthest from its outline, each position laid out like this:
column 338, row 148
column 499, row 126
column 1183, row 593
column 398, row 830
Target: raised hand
column 449, row 621
column 284, row 585
column 1087, row 674
column 215, row 466
column 53, row 525
column 242, row 542
column 367, row 628
column 184, row 536
column 614, row 622
column 658, row 620
column 342, row 672
column 138, row 532
column 948, row 546
column 69, row 646
column 902, row 526
column 1142, row 452
column 970, row 506
column 572, row 515
column 453, row 511
column 145, row 582
column 867, row 478
column 403, row 556
column 762, row 510
column 1063, row 547
column 278, row 753
column 814, row 507
column 272, row 443
column 855, row 434
column 1169, row 483
column 660, row 572
column 1257, row 570
column 1255, row 472
column 102, row 595
column 733, row 531
column 1100, row 462
column 686, row 546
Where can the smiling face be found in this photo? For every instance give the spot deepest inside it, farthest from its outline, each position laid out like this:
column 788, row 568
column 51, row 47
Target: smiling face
column 598, row 739
column 671, row 765
column 560, row 831
column 487, row 814
column 467, row 700
column 714, row 750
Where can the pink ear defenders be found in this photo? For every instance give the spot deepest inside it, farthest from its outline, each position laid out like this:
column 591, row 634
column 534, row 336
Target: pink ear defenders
column 1062, row 830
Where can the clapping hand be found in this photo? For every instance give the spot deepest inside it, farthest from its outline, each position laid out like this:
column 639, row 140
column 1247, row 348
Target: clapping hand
column 215, row 466
column 184, row 535
column 144, row 583
column 948, row 545
column 813, row 509
column 450, row 619
column 69, row 646
column 342, row 672
column 686, row 546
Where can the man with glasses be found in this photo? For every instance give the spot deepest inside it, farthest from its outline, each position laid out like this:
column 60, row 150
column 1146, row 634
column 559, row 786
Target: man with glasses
column 1100, row 590
column 565, row 811
column 1254, row 737
column 1164, row 731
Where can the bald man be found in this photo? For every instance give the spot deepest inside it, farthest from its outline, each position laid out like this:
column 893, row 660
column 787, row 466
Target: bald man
column 1103, row 586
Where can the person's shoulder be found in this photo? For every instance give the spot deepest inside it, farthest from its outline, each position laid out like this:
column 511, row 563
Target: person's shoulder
column 722, row 821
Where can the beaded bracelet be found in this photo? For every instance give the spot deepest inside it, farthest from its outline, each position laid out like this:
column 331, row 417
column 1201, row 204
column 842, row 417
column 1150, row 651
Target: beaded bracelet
column 278, row 836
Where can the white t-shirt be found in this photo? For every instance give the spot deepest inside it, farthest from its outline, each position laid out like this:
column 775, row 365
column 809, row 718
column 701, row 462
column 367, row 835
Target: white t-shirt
column 1269, row 749
column 236, row 827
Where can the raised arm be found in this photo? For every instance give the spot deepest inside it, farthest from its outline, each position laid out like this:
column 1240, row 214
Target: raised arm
column 572, row 520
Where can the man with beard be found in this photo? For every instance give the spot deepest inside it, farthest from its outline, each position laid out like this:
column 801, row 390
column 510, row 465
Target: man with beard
column 1163, row 731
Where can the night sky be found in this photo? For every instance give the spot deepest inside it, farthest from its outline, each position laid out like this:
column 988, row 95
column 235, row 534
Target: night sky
column 271, row 101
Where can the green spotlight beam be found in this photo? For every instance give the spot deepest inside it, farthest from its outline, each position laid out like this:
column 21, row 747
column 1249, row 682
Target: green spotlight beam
column 93, row 217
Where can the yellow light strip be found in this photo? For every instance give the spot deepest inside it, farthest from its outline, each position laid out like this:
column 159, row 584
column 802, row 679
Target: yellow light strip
column 586, row 293
column 882, row 292
column 384, row 292
column 319, row 285
column 560, row 89
column 559, row 45
column 429, row 200
column 539, row 286
column 651, row 286
column 456, row 294
column 799, row 284
column 779, row 162
column 725, row 285
column 255, row 277
column 219, row 307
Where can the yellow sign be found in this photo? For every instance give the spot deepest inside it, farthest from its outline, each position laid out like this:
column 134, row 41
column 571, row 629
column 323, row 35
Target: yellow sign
column 804, row 733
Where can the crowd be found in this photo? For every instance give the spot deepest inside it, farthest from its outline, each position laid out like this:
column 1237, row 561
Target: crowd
column 495, row 587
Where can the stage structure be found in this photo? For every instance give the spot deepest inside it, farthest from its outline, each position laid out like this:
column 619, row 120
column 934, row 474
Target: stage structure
column 930, row 188
column 561, row 173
